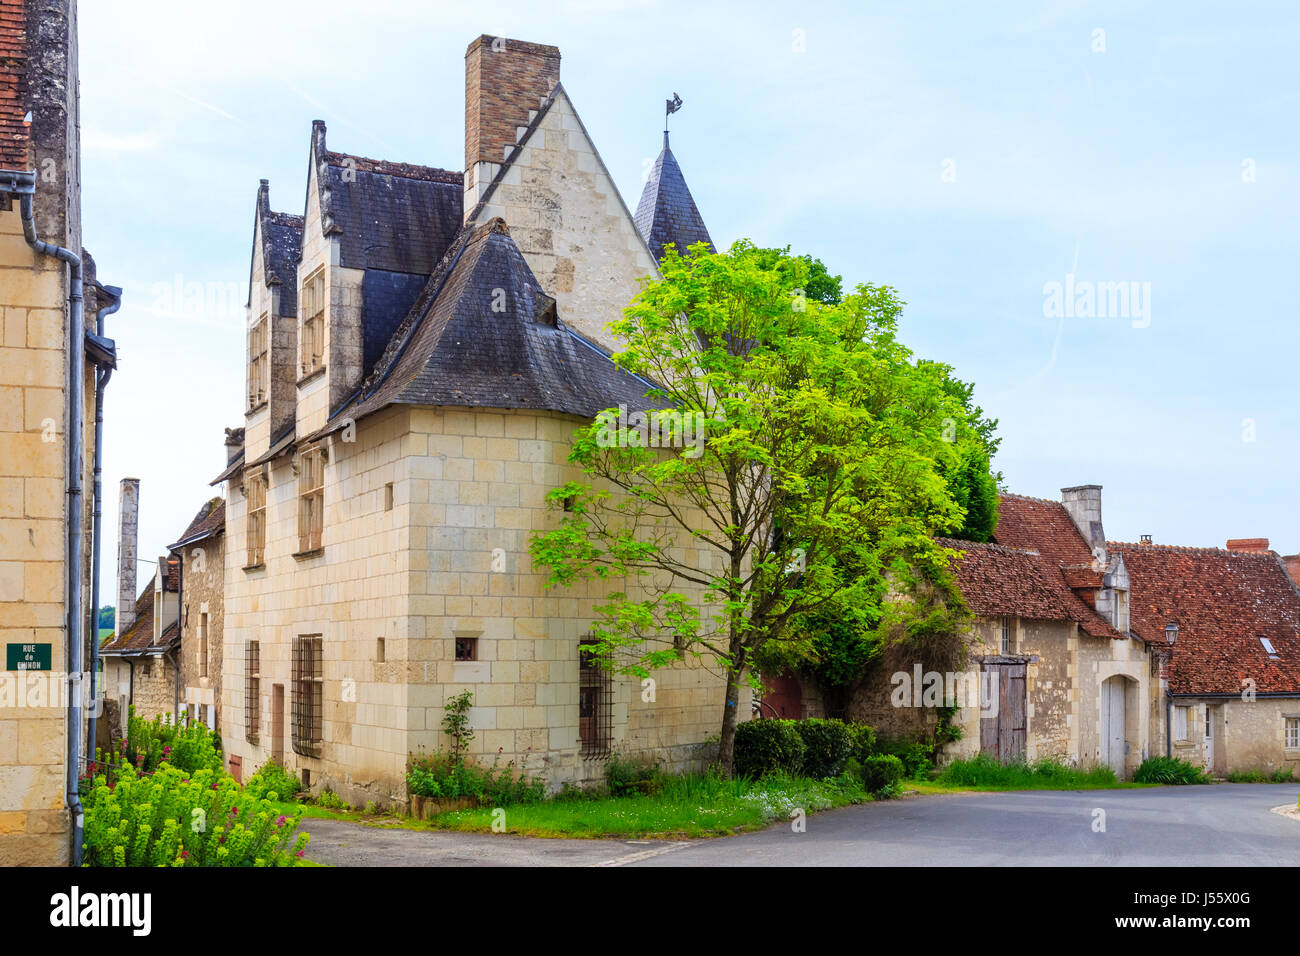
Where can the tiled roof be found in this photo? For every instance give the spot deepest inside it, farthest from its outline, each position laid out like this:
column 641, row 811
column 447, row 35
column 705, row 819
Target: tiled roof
column 997, row 580
column 209, row 522
column 1223, row 602
column 138, row 638
column 458, row 347
column 1035, row 524
column 667, row 212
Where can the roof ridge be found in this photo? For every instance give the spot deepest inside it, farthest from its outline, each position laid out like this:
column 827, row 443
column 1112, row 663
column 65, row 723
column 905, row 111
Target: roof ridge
column 386, row 167
column 1183, row 548
column 1012, row 494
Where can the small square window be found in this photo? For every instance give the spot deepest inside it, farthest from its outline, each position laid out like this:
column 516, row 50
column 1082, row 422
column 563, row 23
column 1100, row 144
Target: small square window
column 467, row 648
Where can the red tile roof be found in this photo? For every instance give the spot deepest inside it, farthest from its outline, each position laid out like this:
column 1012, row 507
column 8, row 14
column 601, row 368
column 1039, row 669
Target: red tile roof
column 1045, row 527
column 1223, row 602
column 208, row 522
column 997, row 580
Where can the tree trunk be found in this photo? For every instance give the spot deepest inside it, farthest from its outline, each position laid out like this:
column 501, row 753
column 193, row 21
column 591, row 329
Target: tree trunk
column 727, row 744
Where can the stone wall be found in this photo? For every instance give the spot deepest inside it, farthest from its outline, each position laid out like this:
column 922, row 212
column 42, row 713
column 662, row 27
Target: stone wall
column 204, row 587
column 34, row 822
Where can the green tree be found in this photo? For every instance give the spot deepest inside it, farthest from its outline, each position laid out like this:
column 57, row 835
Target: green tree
column 107, row 615
column 818, row 284
column 822, row 472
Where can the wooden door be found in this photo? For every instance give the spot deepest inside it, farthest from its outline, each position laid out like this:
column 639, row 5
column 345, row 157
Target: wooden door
column 1003, row 734
column 277, row 723
column 1209, row 739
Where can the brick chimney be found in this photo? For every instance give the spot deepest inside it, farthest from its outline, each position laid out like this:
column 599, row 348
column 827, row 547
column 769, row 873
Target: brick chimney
column 506, row 82
column 1083, row 502
column 128, row 533
column 1253, row 545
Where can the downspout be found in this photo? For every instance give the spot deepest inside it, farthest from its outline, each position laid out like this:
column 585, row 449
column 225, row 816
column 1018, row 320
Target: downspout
column 76, row 517
column 180, row 636
column 101, row 383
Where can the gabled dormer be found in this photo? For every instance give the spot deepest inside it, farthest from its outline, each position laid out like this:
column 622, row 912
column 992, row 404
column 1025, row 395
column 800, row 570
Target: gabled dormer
column 373, row 230
column 270, row 400
column 1105, row 583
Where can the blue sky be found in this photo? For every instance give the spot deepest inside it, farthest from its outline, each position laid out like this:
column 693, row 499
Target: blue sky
column 967, row 157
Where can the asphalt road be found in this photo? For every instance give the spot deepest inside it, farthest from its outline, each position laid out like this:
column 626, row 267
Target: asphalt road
column 1220, row 825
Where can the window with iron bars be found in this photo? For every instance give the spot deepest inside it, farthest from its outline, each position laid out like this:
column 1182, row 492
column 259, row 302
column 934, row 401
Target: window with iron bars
column 311, row 499
column 595, row 703
column 308, row 694
column 252, row 690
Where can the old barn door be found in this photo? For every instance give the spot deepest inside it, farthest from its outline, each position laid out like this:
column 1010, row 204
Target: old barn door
column 1112, row 724
column 1002, row 722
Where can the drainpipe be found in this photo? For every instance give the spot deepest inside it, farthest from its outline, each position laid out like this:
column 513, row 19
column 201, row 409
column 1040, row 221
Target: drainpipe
column 180, row 636
column 101, row 383
column 25, row 184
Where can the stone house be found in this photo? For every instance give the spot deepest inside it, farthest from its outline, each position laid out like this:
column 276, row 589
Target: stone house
column 422, row 344
column 165, row 657
column 1234, row 668
column 54, row 362
column 1054, row 669
column 202, row 552
column 140, row 658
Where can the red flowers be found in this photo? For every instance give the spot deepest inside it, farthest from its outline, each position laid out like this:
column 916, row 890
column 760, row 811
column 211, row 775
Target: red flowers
column 281, row 820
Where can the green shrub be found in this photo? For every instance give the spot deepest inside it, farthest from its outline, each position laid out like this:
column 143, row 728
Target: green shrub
column 827, row 744
column 917, row 755
column 170, row 818
column 880, row 771
column 625, row 776
column 1046, row 774
column 1169, row 770
column 330, row 801
column 190, row 747
column 273, row 779
column 442, row 776
column 1282, row 775
column 1247, row 776
column 863, row 741
column 768, row 746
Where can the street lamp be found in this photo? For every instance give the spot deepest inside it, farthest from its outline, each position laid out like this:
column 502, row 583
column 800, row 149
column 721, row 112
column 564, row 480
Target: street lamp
column 1171, row 633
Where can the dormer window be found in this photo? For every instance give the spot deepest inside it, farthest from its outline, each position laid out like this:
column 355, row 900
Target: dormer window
column 1121, row 611
column 312, row 310
column 259, row 369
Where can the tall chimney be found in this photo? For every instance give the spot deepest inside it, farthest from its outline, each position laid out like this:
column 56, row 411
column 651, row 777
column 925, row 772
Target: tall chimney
column 505, row 82
column 1083, row 502
column 128, row 533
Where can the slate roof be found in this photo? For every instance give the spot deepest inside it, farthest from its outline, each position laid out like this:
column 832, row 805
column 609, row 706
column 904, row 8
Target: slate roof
column 1223, row 602
column 281, row 249
column 209, row 522
column 483, row 334
column 395, row 217
column 1045, row 527
column 667, row 212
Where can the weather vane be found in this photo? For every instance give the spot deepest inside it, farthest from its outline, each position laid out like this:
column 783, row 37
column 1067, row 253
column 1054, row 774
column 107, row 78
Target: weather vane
column 671, row 107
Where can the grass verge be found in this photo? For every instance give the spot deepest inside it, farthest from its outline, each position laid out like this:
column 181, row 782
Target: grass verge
column 981, row 773
column 690, row 806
